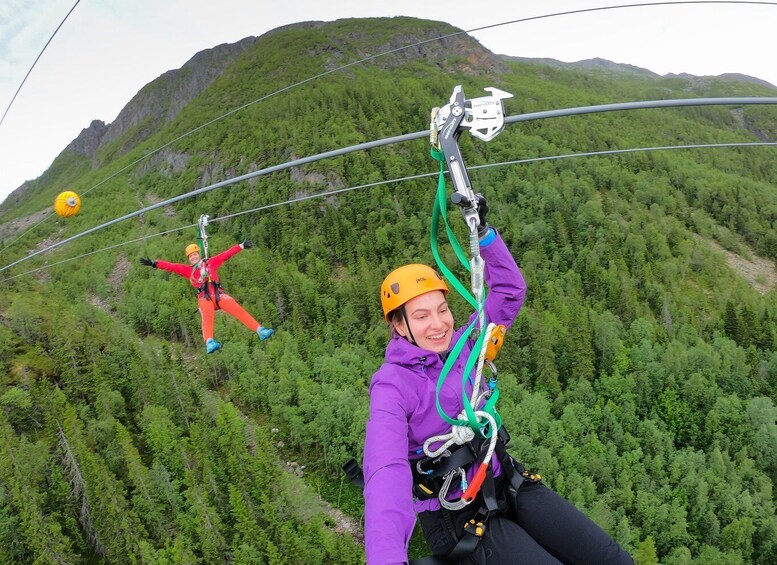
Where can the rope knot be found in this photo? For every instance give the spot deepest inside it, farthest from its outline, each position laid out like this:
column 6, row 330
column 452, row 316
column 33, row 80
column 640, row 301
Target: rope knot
column 462, row 434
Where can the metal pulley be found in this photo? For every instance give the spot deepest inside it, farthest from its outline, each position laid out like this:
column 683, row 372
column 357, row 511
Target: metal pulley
column 484, row 118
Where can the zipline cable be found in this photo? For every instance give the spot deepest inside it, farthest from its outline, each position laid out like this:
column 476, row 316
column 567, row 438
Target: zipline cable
column 36, row 62
column 391, row 51
column 87, row 254
column 624, row 151
column 28, row 230
column 403, row 179
column 640, row 105
column 644, row 104
column 14, row 98
column 615, row 7
column 410, row 46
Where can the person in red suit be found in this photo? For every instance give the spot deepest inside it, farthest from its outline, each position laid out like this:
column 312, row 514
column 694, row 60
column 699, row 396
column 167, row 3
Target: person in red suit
column 203, row 274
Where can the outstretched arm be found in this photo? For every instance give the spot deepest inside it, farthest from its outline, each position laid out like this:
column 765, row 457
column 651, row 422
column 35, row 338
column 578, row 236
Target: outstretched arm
column 177, row 268
column 217, row 260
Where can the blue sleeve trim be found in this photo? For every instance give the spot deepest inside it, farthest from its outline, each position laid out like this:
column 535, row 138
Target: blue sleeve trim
column 490, row 236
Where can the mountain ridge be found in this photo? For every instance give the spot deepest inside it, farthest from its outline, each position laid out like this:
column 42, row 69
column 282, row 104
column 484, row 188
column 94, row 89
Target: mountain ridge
column 601, row 64
column 171, row 91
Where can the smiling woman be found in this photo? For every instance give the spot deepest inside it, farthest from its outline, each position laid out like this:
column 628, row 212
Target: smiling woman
column 496, row 512
column 203, row 275
column 432, row 320
column 416, row 292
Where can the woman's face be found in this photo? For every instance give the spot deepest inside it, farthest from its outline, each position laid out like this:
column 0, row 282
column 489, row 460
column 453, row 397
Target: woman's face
column 431, row 322
column 194, row 258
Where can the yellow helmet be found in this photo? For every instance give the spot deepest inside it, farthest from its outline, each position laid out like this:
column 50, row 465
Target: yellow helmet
column 405, row 283
column 191, row 248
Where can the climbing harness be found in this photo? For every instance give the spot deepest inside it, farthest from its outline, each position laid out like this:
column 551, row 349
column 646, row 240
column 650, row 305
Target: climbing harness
column 462, row 434
column 202, row 241
column 497, row 494
column 484, row 118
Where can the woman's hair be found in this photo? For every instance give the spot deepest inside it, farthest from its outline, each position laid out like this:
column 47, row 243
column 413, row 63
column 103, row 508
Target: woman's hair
column 392, row 320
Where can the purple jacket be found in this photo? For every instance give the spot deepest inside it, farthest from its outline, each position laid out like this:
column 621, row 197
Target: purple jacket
column 403, row 415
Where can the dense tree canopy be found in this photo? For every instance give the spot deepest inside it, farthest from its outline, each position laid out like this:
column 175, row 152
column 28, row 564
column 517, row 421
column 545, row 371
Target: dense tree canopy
column 640, row 378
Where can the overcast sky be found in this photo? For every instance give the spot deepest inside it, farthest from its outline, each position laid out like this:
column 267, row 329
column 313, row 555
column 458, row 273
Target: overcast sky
column 107, row 50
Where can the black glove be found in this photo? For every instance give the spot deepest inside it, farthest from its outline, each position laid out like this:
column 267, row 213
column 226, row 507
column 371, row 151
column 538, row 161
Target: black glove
column 248, row 244
column 482, row 211
column 148, row 262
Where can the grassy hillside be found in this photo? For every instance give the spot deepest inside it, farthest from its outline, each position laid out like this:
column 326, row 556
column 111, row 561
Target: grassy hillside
column 640, row 379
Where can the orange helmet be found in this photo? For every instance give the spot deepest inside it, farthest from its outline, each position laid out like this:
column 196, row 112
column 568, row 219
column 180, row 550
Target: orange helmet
column 405, row 283
column 191, row 248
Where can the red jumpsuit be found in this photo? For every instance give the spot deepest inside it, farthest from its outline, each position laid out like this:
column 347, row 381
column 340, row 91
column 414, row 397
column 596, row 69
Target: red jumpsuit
column 211, row 298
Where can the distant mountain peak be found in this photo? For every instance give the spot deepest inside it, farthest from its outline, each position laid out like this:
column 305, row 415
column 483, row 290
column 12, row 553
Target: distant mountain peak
column 88, row 140
column 725, row 76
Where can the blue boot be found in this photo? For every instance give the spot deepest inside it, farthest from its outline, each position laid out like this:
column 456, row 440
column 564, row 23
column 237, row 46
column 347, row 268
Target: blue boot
column 212, row 345
column 264, row 333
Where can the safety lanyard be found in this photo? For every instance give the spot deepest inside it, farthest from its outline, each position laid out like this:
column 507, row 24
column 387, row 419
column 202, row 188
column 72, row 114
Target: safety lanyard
column 485, row 119
column 439, row 211
column 202, row 236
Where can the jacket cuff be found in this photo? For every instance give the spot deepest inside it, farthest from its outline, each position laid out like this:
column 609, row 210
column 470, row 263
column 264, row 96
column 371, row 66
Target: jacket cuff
column 489, row 238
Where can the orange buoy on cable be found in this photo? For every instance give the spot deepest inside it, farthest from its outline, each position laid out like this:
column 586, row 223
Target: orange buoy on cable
column 67, row 204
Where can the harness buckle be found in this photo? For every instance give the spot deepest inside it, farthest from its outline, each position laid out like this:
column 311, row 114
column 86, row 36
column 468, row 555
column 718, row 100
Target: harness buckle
column 425, row 485
column 431, row 461
column 531, row 477
column 475, row 527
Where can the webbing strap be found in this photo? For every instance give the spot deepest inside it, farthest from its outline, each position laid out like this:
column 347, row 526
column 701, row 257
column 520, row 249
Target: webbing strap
column 431, row 560
column 439, row 210
column 441, row 466
column 466, row 545
column 472, row 420
column 199, row 242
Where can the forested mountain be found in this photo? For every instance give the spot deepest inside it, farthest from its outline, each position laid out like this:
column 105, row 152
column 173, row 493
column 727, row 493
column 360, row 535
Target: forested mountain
column 640, row 378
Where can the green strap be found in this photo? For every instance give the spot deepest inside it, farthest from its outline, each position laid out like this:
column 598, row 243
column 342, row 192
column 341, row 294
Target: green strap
column 489, row 407
column 199, row 242
column 446, row 369
column 439, row 210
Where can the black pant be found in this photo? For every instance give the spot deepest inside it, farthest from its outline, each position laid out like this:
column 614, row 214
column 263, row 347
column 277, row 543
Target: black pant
column 547, row 530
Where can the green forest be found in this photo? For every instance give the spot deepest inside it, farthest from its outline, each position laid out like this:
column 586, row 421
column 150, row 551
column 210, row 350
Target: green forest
column 640, row 378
